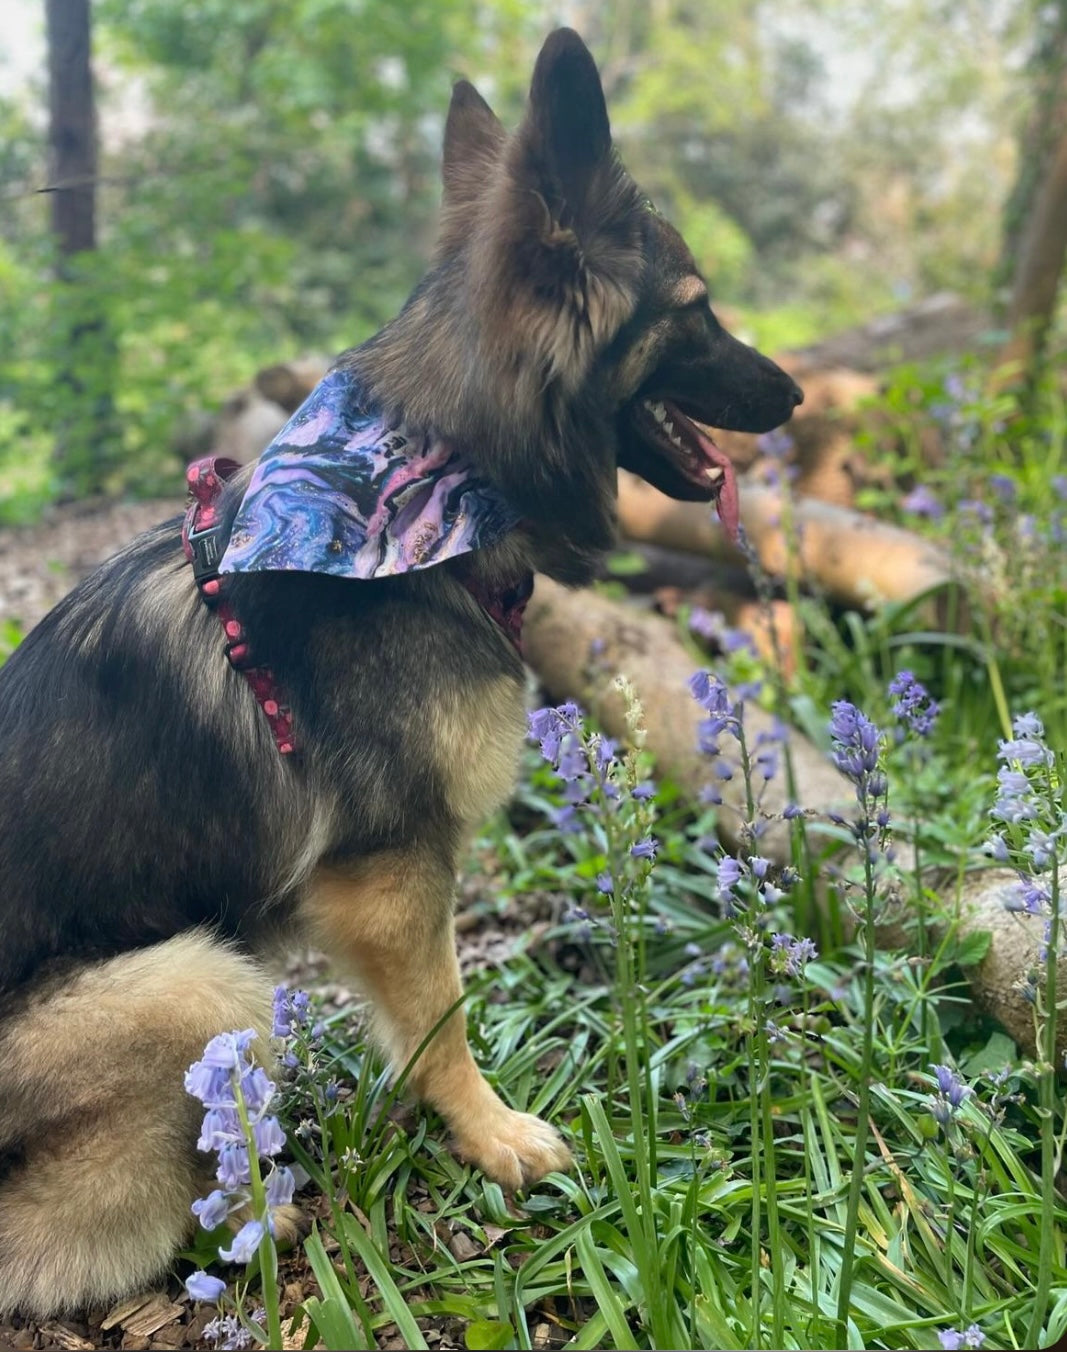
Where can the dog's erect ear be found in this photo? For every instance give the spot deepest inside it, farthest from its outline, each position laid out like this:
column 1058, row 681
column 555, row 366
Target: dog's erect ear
column 568, row 112
column 473, row 138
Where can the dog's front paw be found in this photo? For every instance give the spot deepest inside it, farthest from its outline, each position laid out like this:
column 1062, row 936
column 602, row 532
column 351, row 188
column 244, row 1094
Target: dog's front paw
column 291, row 1225
column 514, row 1149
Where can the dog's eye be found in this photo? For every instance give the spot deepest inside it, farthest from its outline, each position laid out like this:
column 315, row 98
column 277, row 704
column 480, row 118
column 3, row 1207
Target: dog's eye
column 647, row 204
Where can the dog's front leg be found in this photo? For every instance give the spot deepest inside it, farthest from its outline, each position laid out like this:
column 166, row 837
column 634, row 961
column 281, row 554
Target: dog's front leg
column 389, row 919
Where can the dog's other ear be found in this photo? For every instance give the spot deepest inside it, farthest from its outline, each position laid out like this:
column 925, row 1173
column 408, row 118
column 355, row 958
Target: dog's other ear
column 568, row 114
column 473, row 139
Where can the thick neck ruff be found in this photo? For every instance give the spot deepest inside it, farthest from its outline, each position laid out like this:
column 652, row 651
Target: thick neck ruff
column 342, row 492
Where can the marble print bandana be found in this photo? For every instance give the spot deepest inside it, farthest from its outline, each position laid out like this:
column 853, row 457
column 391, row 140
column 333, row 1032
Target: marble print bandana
column 338, row 491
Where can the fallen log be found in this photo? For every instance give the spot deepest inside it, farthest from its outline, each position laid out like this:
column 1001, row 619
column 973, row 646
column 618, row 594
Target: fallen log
column 577, row 642
column 852, row 558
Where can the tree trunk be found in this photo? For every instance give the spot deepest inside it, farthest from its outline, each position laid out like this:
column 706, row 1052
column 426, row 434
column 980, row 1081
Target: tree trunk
column 1037, row 276
column 71, row 127
column 1036, row 227
column 86, row 439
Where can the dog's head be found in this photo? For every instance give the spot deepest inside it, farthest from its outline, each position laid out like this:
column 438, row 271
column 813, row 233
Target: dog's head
column 565, row 329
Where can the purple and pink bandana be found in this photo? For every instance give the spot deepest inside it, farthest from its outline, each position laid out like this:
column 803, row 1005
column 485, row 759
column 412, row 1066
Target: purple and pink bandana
column 338, row 491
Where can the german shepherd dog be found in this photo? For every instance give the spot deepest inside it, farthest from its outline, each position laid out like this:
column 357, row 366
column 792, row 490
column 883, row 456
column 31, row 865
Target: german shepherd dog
column 155, row 844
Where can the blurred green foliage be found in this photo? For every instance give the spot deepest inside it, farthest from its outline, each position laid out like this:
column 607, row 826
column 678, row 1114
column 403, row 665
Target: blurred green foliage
column 269, row 178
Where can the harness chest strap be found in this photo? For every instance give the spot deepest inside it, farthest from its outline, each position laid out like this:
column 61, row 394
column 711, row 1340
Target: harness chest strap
column 204, row 547
column 204, row 544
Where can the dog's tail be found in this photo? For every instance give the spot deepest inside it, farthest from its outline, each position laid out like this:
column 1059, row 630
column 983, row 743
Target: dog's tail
column 98, row 1161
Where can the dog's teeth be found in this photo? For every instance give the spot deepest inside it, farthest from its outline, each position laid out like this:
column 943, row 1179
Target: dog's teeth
column 714, row 473
column 657, row 410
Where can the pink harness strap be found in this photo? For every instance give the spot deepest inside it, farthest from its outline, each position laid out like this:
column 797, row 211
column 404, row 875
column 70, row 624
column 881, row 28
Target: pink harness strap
column 203, row 548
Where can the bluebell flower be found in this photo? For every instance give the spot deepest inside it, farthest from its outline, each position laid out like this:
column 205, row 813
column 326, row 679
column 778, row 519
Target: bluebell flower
column 708, row 624
column 730, row 873
column 209, row 1084
column 950, row 1085
column 1025, row 751
column 1034, row 898
column 269, row 1137
column 777, row 445
column 645, row 849
column 221, row 1127
column 258, row 1089
column 245, row 1243
column 212, row 1210
column 565, row 819
column 1041, row 847
column 282, row 1013
column 280, row 1186
column 202, row 1286
column 604, row 883
column 233, row 1171
column 227, row 1050
column 644, row 791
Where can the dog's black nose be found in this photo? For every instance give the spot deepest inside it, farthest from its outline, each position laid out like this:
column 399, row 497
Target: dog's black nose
column 798, row 394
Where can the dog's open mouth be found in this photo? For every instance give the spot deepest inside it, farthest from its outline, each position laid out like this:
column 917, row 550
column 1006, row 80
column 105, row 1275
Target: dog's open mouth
column 692, row 454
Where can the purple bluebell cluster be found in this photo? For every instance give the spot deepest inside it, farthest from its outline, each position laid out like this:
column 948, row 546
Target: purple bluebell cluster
column 711, row 625
column 724, row 708
column 922, row 501
column 954, row 1339
column 227, row 1333
column 583, row 764
column 857, row 752
column 238, row 1096
column 778, row 446
column 790, row 956
column 1030, row 813
column 601, row 791
column 290, row 1010
column 750, row 876
column 913, row 707
column 951, row 1091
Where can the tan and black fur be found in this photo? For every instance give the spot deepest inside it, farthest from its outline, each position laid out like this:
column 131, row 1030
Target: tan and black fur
column 156, row 845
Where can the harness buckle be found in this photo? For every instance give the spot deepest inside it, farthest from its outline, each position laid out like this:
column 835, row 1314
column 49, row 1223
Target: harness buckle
column 206, row 547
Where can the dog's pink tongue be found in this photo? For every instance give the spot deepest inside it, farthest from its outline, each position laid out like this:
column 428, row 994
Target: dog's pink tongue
column 726, row 503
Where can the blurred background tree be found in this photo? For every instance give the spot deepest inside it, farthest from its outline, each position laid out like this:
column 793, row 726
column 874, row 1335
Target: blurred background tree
column 267, row 176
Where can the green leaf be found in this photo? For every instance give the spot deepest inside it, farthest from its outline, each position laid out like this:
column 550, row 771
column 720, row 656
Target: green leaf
column 485, row 1335
column 972, row 948
column 331, row 1315
column 998, row 1052
column 395, row 1304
